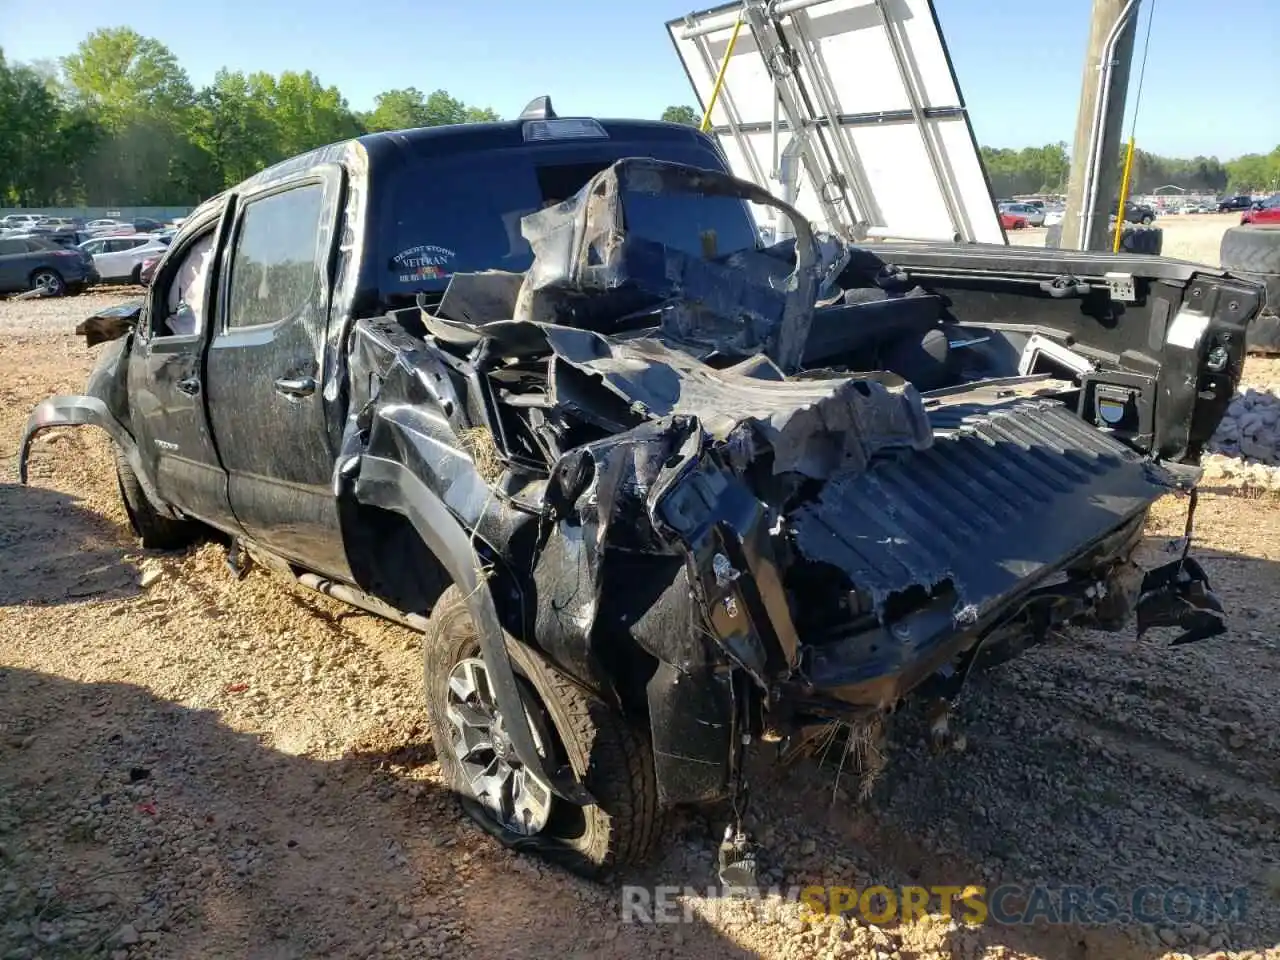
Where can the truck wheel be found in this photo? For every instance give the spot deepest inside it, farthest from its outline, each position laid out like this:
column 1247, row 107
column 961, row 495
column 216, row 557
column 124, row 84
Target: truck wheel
column 157, row 532
column 48, row 282
column 1253, row 253
column 614, row 760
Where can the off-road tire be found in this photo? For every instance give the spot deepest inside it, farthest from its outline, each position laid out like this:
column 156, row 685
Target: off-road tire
column 154, row 530
column 1133, row 239
column 612, row 758
column 1252, row 252
column 1142, row 238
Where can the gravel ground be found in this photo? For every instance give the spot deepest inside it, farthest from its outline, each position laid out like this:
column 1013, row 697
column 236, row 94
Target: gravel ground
column 192, row 766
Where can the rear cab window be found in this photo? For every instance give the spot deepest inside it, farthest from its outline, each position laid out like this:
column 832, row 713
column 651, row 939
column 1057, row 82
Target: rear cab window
column 461, row 213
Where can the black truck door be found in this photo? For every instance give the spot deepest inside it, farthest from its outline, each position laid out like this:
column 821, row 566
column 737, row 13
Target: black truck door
column 266, row 403
column 167, row 386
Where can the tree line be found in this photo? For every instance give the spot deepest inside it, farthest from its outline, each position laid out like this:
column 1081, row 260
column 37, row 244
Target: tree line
column 1046, row 169
column 119, row 122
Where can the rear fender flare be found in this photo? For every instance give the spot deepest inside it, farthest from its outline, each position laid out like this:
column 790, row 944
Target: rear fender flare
column 82, row 411
column 392, row 486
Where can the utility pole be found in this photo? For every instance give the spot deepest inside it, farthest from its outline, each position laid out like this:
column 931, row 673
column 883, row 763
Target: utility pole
column 1095, row 166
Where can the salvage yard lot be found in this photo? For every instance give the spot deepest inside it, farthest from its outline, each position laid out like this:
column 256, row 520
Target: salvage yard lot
column 192, row 766
column 1186, row 236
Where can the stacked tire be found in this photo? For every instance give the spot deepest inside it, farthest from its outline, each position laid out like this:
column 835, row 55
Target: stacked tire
column 1136, row 238
column 1252, row 252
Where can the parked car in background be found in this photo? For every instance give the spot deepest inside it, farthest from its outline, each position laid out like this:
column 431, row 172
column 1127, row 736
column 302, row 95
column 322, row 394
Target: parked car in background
column 1012, row 221
column 15, row 221
column 34, row 263
column 59, row 223
column 1135, row 212
column 1231, row 204
column 147, row 225
column 1268, row 211
column 1053, row 214
column 108, row 227
column 66, row 239
column 1033, row 215
column 119, row 259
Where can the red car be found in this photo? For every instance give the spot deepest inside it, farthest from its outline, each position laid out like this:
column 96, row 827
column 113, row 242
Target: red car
column 1011, row 221
column 1266, row 212
column 147, row 270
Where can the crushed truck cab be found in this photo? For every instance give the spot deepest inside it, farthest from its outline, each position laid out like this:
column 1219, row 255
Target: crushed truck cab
column 648, row 487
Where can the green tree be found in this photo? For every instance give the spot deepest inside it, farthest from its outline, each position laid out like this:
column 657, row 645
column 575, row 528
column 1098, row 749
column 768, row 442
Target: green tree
column 685, row 115
column 233, row 129
column 123, row 75
column 304, row 113
column 409, row 107
column 136, row 89
column 1029, row 170
column 41, row 141
column 398, row 110
column 1255, row 172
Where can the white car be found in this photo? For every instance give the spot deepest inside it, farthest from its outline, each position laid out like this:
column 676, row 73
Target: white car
column 1033, row 215
column 119, row 259
column 98, row 228
column 1054, row 215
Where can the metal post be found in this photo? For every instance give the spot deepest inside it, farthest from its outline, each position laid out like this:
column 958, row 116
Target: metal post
column 1094, row 174
column 719, row 84
column 1124, row 196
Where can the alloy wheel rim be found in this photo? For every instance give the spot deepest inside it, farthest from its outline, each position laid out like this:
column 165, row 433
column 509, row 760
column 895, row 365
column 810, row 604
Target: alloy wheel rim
column 508, row 790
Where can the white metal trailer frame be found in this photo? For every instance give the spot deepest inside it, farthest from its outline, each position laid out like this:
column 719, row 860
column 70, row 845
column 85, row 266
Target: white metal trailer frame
column 849, row 109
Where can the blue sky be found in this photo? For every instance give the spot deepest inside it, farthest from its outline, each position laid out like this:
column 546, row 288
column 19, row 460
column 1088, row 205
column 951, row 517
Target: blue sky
column 1211, row 83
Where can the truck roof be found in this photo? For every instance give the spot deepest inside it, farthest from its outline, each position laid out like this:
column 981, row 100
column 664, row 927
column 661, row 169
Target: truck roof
column 464, row 138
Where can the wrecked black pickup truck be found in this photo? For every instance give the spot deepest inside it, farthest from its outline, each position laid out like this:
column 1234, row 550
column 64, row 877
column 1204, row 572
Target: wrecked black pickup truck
column 654, row 492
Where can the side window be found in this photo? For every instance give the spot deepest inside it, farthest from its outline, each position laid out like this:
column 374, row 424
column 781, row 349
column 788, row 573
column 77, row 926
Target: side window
column 93, row 247
column 8, row 247
column 273, row 270
column 184, row 301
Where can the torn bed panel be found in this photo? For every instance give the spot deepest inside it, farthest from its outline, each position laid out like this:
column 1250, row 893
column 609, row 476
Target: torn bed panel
column 814, row 427
column 1000, row 499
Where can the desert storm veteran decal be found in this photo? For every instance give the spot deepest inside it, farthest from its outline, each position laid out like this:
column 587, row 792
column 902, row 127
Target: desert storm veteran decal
column 423, row 262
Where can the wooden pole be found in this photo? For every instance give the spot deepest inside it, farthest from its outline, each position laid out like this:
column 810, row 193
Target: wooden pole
column 1095, row 88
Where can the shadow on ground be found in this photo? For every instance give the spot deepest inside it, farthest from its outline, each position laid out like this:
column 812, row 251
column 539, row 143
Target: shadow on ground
column 53, row 549
column 124, row 816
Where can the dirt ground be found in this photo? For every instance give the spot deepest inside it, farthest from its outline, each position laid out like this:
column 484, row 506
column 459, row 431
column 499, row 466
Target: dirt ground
column 193, row 766
column 1194, row 237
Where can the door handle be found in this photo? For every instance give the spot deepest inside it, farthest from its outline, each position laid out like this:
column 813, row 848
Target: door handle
column 296, row 386
column 189, row 385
